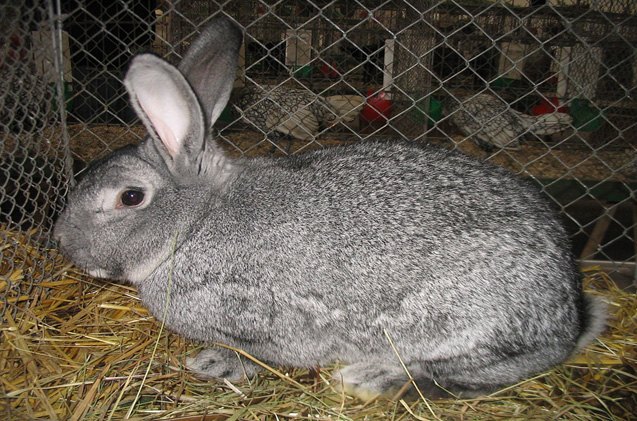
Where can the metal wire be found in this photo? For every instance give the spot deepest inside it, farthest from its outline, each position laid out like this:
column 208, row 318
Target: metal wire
column 33, row 153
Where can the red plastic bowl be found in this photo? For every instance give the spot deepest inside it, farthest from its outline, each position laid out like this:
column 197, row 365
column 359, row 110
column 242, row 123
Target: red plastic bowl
column 377, row 107
column 546, row 107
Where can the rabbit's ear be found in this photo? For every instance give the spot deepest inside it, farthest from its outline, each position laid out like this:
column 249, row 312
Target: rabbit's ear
column 210, row 65
column 169, row 109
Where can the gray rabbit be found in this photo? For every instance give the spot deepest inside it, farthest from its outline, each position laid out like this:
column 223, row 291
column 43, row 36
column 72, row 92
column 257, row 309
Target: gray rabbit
column 307, row 260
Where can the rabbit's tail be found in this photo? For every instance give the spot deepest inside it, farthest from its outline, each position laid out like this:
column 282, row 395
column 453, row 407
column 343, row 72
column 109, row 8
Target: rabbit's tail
column 347, row 106
column 595, row 316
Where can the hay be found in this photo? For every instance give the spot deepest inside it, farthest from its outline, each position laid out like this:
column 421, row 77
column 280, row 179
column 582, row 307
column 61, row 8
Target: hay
column 79, row 349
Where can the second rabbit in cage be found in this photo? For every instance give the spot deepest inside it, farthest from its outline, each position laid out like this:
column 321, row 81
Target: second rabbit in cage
column 491, row 122
column 296, row 112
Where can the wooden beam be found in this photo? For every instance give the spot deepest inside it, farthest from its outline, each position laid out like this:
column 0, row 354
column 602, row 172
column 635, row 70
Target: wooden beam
column 599, row 231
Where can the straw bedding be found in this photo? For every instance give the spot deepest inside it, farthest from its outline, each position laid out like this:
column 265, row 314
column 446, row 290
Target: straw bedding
column 74, row 348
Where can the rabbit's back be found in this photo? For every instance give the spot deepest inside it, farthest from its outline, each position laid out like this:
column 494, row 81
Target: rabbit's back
column 415, row 204
column 380, row 186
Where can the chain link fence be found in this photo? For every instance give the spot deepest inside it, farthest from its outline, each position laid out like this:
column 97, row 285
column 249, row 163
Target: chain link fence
column 546, row 88
column 34, row 170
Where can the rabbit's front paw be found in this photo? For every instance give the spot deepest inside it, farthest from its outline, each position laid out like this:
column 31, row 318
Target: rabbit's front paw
column 220, row 363
column 369, row 380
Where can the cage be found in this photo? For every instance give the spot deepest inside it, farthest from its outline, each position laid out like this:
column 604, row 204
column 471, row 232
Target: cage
column 421, row 70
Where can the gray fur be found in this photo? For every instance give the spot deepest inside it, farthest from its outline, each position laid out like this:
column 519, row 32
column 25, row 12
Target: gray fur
column 307, row 260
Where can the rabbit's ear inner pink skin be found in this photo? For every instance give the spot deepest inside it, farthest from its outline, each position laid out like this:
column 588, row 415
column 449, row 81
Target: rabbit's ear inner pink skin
column 178, row 106
column 169, row 109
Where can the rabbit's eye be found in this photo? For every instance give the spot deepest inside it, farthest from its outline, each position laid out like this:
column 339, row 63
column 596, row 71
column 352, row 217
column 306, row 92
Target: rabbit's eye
column 131, row 198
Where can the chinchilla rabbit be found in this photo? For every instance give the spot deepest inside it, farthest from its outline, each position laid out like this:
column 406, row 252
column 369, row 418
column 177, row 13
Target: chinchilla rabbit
column 306, row 260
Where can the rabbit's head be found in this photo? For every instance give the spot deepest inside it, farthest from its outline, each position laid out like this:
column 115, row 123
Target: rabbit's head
column 122, row 217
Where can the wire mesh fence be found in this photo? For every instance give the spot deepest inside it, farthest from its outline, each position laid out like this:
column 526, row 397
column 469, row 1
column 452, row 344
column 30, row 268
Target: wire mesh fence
column 33, row 150
column 544, row 88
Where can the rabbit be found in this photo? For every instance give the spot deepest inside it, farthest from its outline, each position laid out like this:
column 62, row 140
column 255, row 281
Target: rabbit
column 368, row 255
column 492, row 123
column 298, row 113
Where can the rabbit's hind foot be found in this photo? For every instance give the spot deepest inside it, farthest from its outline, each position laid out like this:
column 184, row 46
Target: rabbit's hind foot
column 375, row 379
column 370, row 380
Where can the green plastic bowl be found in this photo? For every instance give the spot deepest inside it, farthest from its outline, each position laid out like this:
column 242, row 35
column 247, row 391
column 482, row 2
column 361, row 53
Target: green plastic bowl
column 435, row 111
column 586, row 118
column 303, row 72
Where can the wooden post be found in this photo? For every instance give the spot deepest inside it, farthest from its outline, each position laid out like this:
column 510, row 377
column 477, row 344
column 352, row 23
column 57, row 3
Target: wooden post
column 413, row 50
column 599, row 231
